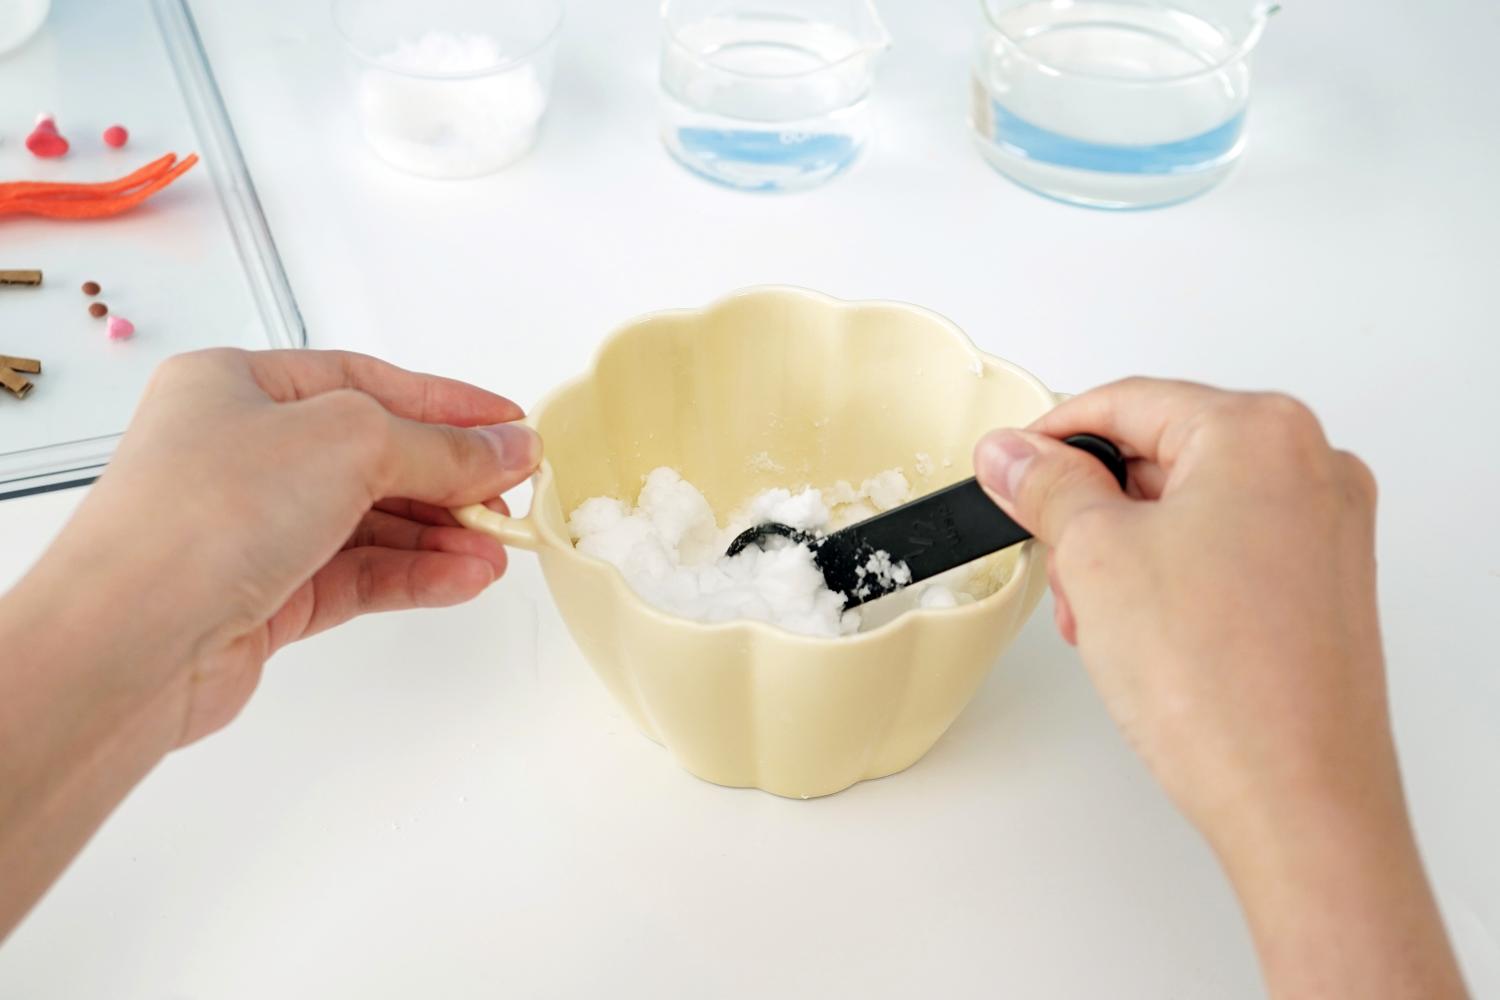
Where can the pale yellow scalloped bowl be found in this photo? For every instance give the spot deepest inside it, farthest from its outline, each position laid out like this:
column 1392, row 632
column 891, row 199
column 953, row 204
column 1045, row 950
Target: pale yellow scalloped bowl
column 776, row 387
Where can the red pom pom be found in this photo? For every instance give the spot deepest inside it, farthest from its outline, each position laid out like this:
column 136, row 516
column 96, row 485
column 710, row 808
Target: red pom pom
column 45, row 141
column 115, row 136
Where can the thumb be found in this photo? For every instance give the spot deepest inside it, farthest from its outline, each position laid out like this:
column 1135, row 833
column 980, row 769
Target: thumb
column 437, row 464
column 1041, row 482
column 446, row 466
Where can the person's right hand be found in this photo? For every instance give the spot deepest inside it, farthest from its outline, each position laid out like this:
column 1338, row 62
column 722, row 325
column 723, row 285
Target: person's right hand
column 1225, row 607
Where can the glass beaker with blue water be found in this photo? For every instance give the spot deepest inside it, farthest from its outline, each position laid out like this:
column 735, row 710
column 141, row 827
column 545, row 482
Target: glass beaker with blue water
column 1115, row 103
column 768, row 95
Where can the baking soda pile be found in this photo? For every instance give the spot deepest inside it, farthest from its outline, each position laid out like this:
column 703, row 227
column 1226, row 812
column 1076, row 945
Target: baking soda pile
column 670, row 549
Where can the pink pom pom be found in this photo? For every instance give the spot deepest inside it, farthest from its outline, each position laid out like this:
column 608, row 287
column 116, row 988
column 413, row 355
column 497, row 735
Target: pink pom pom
column 119, row 328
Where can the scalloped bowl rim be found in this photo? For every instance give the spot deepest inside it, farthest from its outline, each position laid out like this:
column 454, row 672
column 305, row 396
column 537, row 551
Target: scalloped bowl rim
column 564, row 547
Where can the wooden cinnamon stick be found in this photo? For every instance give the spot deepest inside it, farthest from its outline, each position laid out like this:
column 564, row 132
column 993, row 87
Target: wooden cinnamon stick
column 20, row 277
column 30, row 366
column 17, row 384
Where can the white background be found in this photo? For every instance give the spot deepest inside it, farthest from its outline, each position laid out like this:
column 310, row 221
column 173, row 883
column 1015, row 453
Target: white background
column 446, row 804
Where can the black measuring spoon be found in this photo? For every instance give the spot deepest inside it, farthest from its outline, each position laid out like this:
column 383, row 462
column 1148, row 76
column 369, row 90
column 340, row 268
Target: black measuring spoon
column 930, row 535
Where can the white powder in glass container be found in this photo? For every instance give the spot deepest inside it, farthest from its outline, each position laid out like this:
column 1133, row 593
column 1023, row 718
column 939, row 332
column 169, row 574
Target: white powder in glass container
column 423, row 111
column 670, row 549
column 19, row 20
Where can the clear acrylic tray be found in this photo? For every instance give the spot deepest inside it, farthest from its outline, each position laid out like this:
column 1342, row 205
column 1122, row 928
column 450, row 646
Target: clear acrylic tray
column 194, row 267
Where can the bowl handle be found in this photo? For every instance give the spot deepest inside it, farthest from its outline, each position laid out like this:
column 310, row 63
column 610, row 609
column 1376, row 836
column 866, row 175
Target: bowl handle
column 518, row 531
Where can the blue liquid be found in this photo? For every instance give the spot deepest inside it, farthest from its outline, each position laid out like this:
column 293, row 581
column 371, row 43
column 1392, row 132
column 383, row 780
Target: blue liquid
column 765, row 160
column 1200, row 152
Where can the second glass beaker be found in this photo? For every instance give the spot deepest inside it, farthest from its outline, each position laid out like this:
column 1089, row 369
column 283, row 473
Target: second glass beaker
column 768, row 95
column 1115, row 103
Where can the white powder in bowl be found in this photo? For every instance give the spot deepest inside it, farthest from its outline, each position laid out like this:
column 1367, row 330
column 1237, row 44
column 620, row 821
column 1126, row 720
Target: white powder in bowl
column 439, row 122
column 670, row 549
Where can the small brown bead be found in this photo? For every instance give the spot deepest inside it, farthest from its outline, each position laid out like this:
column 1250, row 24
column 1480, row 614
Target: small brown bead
column 91, row 288
column 97, row 309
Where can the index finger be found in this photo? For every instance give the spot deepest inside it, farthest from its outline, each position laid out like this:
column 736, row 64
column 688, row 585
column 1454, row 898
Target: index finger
column 286, row 376
column 1146, row 417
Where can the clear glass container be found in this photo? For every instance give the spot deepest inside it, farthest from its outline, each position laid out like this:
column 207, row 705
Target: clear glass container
column 768, row 95
column 450, row 88
column 1115, row 103
column 19, row 20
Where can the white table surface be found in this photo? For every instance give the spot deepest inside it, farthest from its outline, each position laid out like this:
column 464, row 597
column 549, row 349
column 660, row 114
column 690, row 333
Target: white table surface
column 446, row 804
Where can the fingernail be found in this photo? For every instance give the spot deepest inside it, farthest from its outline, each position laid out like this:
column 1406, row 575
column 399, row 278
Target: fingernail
column 1001, row 460
column 519, row 446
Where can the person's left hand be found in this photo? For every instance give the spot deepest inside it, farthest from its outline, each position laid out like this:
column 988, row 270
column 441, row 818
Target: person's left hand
column 258, row 498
